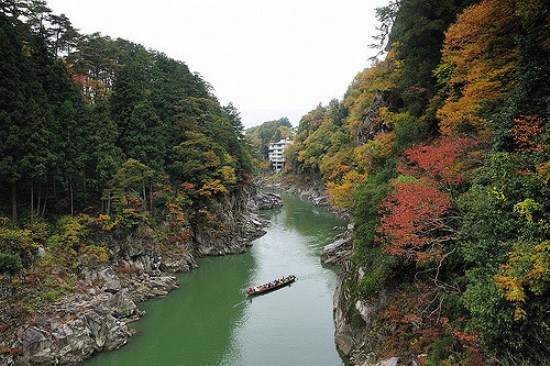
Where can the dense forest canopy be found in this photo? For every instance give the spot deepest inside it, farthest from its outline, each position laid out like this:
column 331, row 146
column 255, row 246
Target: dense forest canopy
column 98, row 137
column 76, row 107
column 441, row 154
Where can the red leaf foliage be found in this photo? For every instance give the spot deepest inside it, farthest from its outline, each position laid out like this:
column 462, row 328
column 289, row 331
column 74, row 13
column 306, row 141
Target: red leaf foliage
column 189, row 186
column 437, row 161
column 412, row 222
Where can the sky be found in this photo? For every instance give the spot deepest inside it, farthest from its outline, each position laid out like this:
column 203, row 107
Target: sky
column 270, row 58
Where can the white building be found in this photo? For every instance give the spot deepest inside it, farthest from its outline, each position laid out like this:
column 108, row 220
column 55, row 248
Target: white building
column 277, row 153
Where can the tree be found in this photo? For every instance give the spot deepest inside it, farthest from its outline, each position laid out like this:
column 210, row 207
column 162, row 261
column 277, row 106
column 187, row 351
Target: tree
column 415, row 221
column 412, row 223
column 417, row 36
column 12, row 102
column 503, row 242
column 482, row 58
column 130, row 181
column 437, row 161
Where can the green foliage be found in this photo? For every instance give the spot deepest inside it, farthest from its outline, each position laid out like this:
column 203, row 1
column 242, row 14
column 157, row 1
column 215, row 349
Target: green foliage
column 440, row 351
column 54, row 294
column 10, row 263
column 410, row 130
column 63, row 152
column 504, row 207
column 320, row 141
column 368, row 254
column 368, row 197
column 419, row 32
column 18, row 245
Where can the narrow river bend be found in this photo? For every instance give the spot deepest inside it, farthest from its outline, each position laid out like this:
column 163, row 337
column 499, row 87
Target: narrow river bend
column 210, row 321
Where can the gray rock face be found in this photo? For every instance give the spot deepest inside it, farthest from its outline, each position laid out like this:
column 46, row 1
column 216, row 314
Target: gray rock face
column 75, row 328
column 338, row 251
column 389, row 362
column 72, row 329
column 316, row 195
column 184, row 262
column 356, row 339
column 241, row 226
column 265, row 201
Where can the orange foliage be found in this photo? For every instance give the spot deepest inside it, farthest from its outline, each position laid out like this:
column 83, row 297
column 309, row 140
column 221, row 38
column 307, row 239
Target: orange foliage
column 527, row 133
column 482, row 63
column 134, row 202
column 414, row 220
column 411, row 223
column 189, row 186
column 124, row 268
column 437, row 161
column 415, row 326
column 90, row 88
column 248, row 179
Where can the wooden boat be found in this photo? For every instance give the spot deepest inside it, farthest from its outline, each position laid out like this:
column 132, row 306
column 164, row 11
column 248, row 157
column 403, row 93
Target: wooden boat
column 270, row 286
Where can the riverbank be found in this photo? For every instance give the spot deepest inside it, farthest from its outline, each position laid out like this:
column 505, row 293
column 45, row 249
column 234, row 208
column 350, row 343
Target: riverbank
column 311, row 190
column 212, row 321
column 358, row 330
column 94, row 317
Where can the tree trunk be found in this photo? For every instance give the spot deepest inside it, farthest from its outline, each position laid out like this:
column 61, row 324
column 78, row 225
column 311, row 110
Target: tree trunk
column 13, row 203
column 32, row 200
column 39, row 200
column 44, row 205
column 109, row 203
column 71, row 193
column 144, row 196
column 151, row 196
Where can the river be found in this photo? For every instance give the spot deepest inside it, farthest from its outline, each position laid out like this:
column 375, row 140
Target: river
column 211, row 321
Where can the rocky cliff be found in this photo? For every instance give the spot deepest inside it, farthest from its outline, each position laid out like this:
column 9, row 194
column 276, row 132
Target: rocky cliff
column 316, row 193
column 358, row 331
column 95, row 317
column 356, row 334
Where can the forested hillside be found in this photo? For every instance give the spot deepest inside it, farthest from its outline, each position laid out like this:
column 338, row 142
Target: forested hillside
column 441, row 153
column 102, row 141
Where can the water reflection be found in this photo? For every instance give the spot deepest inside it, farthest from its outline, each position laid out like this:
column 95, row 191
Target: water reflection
column 290, row 326
column 211, row 321
column 193, row 325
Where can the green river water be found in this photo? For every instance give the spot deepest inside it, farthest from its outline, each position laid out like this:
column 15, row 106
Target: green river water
column 211, row 321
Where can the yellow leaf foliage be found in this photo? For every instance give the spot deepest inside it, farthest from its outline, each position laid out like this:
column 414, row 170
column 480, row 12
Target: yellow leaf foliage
column 365, row 86
column 228, row 175
column 211, row 159
column 212, row 187
column 527, row 271
column 482, row 64
column 341, row 194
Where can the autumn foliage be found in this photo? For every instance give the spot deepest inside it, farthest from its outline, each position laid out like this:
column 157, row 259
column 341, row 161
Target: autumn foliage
column 476, row 64
column 437, row 161
column 527, row 133
column 414, row 222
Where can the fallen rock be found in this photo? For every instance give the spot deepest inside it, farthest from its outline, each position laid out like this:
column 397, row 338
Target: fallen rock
column 338, row 251
column 266, row 201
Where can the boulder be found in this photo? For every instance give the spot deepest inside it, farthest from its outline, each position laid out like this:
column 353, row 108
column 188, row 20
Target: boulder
column 266, row 201
column 338, row 251
column 76, row 327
